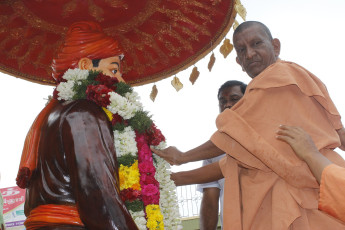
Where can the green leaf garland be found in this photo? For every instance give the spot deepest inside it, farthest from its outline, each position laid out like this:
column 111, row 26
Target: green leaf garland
column 135, row 206
column 126, row 160
column 141, row 121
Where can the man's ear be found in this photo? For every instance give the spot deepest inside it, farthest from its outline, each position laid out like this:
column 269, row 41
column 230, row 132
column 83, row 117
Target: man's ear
column 276, row 46
column 85, row 64
column 238, row 62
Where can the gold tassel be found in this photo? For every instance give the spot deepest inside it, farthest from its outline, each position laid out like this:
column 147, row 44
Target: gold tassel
column 175, row 82
column 211, row 62
column 226, row 48
column 241, row 10
column 194, row 75
column 235, row 24
column 154, row 93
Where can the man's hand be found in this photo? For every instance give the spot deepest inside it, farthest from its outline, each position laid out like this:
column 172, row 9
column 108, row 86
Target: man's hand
column 171, row 154
column 304, row 147
column 298, row 139
column 176, row 157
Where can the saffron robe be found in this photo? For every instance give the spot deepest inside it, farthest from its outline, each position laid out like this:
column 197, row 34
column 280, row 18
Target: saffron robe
column 266, row 185
column 332, row 196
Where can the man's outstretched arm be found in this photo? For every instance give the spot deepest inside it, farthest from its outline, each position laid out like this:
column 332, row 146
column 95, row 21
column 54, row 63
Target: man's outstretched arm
column 201, row 175
column 176, row 157
column 330, row 176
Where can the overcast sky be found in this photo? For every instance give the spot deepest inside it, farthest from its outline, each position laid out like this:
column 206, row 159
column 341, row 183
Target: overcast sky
column 311, row 34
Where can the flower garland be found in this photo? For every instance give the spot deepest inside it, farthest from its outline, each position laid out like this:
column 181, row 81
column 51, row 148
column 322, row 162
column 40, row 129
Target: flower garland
column 145, row 184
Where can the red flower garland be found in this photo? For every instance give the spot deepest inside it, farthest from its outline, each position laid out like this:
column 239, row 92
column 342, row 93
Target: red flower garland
column 154, row 135
column 98, row 94
column 107, row 81
column 149, row 185
column 130, row 194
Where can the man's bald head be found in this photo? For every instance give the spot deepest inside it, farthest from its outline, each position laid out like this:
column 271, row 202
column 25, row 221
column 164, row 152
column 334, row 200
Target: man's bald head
column 255, row 47
column 248, row 24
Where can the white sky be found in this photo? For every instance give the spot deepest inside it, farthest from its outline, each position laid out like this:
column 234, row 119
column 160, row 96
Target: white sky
column 311, row 33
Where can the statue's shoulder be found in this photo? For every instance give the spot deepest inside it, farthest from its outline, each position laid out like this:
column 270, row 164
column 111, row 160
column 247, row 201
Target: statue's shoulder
column 80, row 104
column 81, row 107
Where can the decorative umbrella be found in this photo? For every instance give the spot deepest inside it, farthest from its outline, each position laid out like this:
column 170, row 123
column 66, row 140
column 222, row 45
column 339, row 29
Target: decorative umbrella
column 159, row 37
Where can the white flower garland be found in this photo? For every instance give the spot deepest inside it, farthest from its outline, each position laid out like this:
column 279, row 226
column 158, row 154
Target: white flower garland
column 139, row 219
column 121, row 106
column 168, row 198
column 134, row 98
column 65, row 90
column 75, row 74
column 125, row 142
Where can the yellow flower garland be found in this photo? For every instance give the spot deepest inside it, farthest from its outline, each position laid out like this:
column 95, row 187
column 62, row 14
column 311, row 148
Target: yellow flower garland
column 129, row 176
column 109, row 114
column 154, row 217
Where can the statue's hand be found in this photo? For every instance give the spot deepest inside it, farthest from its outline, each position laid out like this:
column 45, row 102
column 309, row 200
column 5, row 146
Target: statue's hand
column 171, row 154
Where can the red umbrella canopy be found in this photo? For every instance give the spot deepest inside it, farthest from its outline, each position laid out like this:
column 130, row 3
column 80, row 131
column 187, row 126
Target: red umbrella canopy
column 159, row 38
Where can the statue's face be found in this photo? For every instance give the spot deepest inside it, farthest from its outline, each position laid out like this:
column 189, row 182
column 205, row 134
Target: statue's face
column 110, row 67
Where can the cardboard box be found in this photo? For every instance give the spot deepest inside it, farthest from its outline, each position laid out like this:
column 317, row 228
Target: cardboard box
column 14, row 198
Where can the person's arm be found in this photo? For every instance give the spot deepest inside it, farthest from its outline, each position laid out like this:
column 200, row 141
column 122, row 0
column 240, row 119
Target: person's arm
column 176, row 157
column 201, row 175
column 304, row 147
column 209, row 208
column 90, row 155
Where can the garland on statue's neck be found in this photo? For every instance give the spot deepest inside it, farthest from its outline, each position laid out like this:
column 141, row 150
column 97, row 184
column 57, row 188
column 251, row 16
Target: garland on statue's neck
column 145, row 183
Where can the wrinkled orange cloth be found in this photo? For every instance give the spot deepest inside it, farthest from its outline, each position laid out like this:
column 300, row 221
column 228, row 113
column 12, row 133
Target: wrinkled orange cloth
column 332, row 194
column 266, row 185
column 52, row 215
column 28, row 161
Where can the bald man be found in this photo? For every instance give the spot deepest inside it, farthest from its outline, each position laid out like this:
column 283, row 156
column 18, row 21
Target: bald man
column 266, row 185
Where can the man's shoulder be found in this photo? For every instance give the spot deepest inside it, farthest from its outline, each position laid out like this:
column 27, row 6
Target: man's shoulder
column 282, row 73
column 283, row 65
